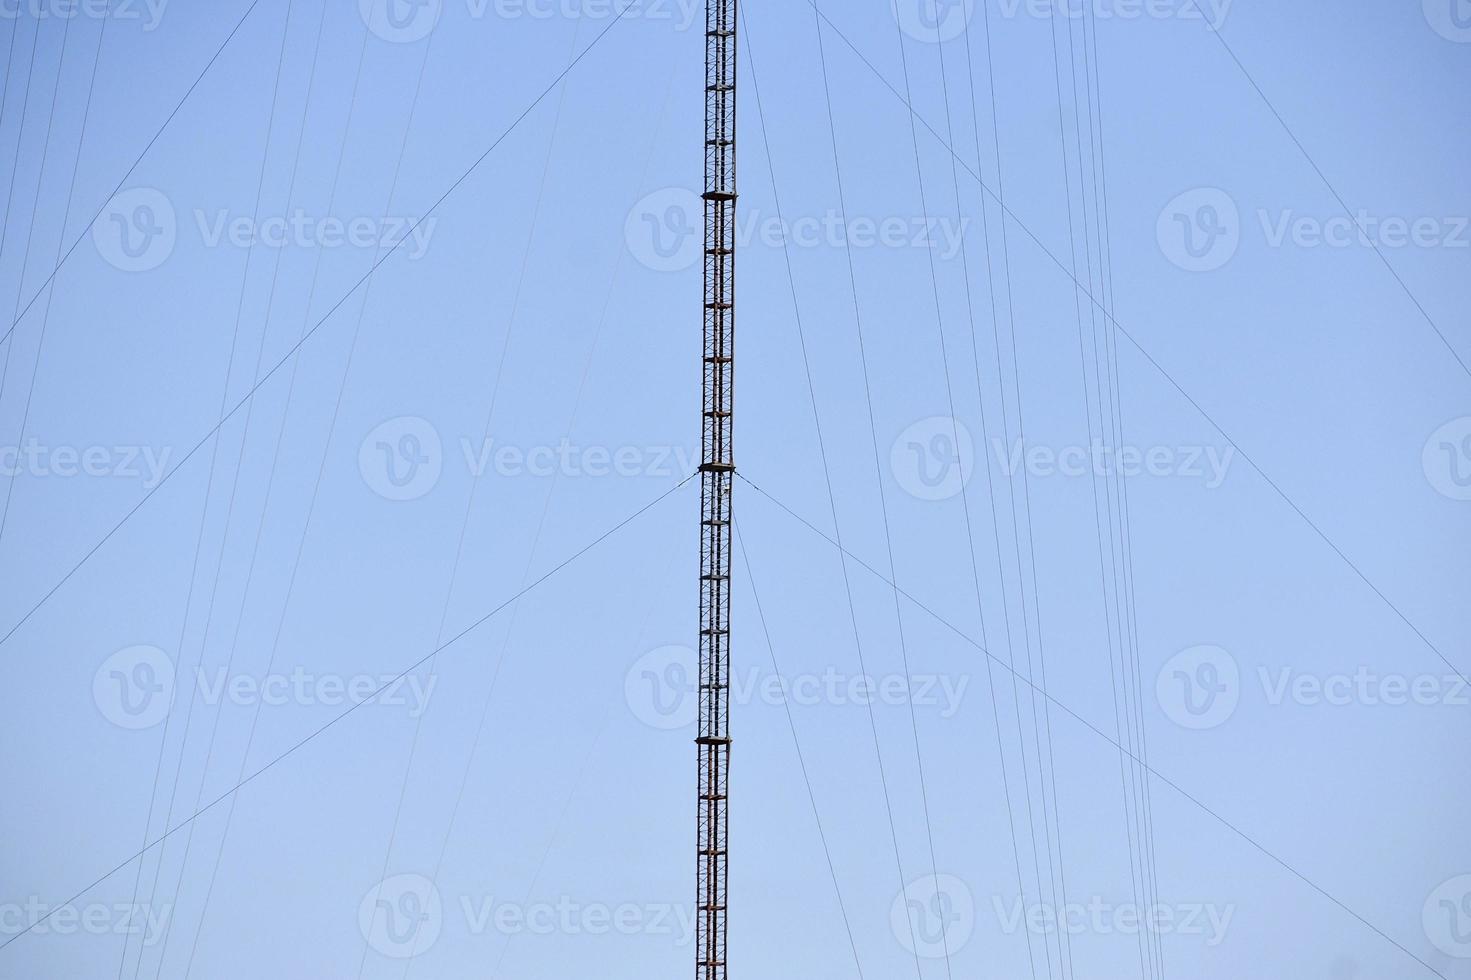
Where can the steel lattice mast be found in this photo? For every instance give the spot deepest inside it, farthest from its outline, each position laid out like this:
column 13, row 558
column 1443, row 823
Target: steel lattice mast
column 717, row 473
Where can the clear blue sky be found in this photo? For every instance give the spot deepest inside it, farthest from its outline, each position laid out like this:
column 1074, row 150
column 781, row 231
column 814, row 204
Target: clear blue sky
column 1298, row 560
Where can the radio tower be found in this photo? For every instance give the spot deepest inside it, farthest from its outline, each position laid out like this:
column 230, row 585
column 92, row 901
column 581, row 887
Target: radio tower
column 717, row 473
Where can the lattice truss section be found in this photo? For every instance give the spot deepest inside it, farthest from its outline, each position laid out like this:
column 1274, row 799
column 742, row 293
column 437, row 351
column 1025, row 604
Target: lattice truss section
column 717, row 473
